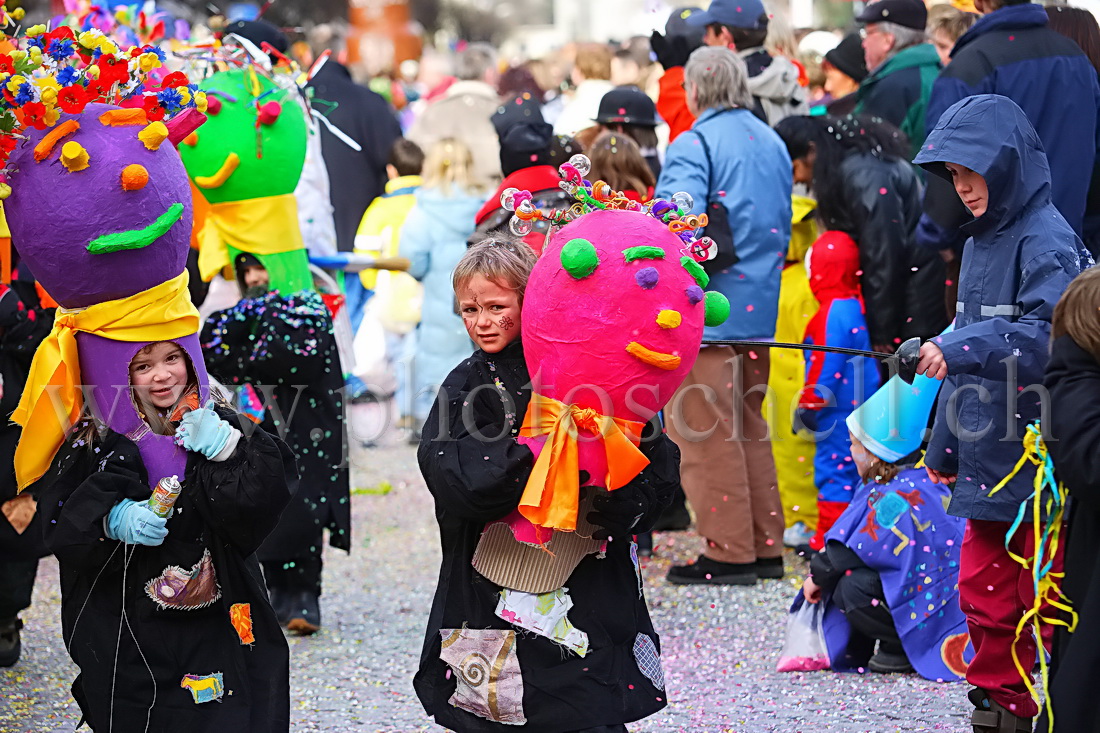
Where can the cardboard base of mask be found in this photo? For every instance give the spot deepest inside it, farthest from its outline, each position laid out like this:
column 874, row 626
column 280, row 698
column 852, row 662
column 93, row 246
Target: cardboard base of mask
column 506, row 561
column 288, row 271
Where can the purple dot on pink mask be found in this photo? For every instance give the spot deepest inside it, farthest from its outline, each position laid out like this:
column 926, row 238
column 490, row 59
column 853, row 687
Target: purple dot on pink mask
column 646, row 277
column 694, row 294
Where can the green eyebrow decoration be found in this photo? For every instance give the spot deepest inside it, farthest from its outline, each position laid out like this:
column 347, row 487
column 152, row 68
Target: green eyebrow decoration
column 643, row 253
column 695, row 270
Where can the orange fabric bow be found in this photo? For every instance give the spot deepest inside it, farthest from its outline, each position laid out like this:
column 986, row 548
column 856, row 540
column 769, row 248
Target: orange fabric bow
column 552, row 493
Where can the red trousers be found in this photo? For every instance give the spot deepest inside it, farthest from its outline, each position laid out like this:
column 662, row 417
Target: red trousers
column 995, row 591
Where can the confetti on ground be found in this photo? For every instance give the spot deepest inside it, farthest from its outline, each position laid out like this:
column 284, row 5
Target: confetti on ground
column 720, row 645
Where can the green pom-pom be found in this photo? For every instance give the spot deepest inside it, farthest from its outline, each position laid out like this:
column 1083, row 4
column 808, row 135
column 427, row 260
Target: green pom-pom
column 696, row 270
column 717, row 308
column 579, row 258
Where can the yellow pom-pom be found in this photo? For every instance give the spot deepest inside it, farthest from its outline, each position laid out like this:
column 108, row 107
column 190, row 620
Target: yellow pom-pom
column 74, row 157
column 200, row 101
column 36, row 30
column 153, row 134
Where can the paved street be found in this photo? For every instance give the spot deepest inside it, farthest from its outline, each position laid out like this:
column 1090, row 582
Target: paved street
column 720, row 644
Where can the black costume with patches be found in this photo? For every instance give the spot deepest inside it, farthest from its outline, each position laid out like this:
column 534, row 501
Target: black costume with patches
column 121, row 639
column 477, row 480
column 23, row 325
column 284, row 347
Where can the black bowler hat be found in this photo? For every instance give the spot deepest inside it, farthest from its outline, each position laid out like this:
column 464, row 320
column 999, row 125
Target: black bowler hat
column 627, row 106
column 908, row 13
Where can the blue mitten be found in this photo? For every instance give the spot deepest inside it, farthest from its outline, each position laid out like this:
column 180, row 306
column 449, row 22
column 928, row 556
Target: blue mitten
column 203, row 431
column 134, row 523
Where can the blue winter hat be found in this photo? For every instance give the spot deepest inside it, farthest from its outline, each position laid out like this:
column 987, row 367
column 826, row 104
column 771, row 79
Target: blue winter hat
column 891, row 422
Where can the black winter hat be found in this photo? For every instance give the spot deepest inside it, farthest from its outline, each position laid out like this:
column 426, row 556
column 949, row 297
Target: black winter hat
column 259, row 32
column 525, row 137
column 908, row 13
column 628, row 106
column 848, row 57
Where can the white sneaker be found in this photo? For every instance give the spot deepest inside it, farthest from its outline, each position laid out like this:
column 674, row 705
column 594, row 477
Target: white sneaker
column 797, row 534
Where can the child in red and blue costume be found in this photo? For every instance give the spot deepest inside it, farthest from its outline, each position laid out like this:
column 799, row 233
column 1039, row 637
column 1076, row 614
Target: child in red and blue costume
column 836, row 384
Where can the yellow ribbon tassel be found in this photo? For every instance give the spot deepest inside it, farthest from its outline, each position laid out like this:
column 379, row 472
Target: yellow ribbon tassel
column 552, row 494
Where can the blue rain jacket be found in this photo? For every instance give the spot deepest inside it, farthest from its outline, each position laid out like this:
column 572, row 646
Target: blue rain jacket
column 1019, row 259
column 751, row 172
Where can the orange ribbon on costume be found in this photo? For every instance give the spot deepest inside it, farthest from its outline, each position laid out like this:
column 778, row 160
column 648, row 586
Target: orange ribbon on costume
column 552, row 494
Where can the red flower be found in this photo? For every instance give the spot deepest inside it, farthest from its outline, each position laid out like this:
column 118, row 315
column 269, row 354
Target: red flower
column 112, row 69
column 7, row 145
column 153, row 111
column 72, row 99
column 7, row 65
column 175, row 79
column 62, row 31
column 34, row 115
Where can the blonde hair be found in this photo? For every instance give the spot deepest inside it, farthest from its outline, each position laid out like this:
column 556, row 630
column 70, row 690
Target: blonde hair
column 1077, row 314
column 950, row 20
column 449, row 165
column 594, row 60
column 618, row 160
column 507, row 262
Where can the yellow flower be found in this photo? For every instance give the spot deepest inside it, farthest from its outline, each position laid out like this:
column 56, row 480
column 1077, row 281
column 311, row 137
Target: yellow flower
column 18, row 13
column 49, row 95
column 36, row 30
column 5, row 189
column 53, row 114
column 35, row 55
column 92, row 72
column 14, row 82
column 148, row 62
column 18, row 54
column 185, row 95
column 200, row 101
column 90, row 39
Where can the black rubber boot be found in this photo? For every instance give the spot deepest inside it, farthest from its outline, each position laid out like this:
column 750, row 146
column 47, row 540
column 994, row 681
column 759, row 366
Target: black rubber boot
column 304, row 612
column 10, row 645
column 991, row 717
column 890, row 659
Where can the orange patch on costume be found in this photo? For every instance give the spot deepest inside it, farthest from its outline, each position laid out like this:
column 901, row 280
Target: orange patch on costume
column 240, row 615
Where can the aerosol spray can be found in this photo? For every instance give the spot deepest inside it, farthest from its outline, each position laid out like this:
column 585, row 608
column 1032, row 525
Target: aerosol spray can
column 164, row 495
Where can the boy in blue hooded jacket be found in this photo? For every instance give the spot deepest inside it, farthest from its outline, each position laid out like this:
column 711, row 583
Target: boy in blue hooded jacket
column 1021, row 256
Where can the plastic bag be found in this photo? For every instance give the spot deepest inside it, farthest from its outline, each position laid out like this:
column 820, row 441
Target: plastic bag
column 804, row 649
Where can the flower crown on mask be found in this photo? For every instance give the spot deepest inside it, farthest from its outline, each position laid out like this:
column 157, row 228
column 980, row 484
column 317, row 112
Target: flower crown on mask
column 129, row 25
column 50, row 72
column 590, row 197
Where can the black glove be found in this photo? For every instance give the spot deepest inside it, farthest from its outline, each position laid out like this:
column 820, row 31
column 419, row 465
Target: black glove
column 671, row 51
column 619, row 511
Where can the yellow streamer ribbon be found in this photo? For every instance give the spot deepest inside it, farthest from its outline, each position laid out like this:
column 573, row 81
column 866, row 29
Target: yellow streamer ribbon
column 1046, row 541
column 552, row 494
column 159, row 313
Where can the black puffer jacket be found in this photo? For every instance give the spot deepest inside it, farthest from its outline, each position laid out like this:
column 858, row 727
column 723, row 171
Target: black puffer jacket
column 903, row 285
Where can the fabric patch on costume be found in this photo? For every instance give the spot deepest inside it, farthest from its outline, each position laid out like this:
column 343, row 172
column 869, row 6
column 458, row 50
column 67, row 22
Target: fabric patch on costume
column 204, row 687
column 637, row 565
column 545, row 615
column 186, row 590
column 240, row 615
column 487, row 674
column 648, row 660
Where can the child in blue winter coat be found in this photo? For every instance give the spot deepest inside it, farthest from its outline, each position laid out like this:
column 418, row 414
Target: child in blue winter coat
column 835, row 384
column 1020, row 256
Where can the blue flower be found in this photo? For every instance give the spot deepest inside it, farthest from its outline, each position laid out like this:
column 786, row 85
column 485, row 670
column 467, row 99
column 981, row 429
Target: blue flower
column 170, row 99
column 36, row 41
column 67, row 76
column 61, row 48
column 25, row 94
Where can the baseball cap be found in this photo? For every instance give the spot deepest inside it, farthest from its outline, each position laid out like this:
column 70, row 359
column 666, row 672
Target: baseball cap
column 734, row 13
column 677, row 23
column 907, row 13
